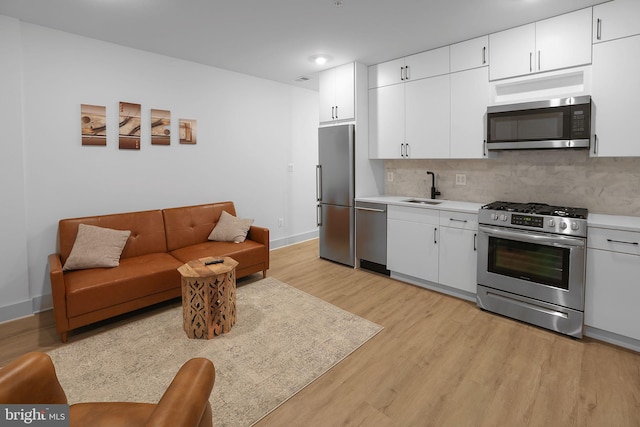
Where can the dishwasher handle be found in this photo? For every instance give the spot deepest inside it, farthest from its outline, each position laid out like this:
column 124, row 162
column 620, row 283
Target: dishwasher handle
column 370, row 209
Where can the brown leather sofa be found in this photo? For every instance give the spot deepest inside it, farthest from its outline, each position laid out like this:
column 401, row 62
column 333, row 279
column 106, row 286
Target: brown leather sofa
column 31, row 380
column 160, row 242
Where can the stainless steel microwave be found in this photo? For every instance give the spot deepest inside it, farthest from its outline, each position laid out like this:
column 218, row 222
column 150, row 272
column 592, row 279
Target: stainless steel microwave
column 556, row 123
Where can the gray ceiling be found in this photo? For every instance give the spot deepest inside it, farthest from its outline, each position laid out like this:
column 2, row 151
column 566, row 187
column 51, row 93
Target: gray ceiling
column 273, row 39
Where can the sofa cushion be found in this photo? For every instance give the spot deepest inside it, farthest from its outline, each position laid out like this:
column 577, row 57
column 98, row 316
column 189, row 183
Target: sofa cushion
column 136, row 277
column 190, row 225
column 230, row 229
column 246, row 253
column 96, row 247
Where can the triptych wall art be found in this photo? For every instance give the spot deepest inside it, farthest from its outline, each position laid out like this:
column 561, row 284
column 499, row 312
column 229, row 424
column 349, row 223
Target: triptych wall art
column 93, row 119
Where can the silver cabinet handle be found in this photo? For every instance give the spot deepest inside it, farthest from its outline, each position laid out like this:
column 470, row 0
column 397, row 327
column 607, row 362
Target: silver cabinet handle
column 435, row 236
column 319, row 215
column 402, row 150
column 539, row 61
column 336, row 111
column 484, row 148
column 407, row 76
column 530, row 61
column 407, row 150
column 599, row 29
column 595, row 144
column 333, row 116
column 475, row 242
column 623, row 242
column 401, row 73
column 484, row 55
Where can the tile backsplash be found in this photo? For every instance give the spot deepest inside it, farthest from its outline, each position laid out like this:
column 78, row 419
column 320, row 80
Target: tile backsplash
column 559, row 177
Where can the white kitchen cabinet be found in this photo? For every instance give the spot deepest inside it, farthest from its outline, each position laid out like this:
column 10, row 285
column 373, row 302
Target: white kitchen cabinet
column 410, row 120
column 412, row 242
column 337, row 94
column 616, row 19
column 470, row 54
column 427, row 118
column 615, row 92
column 470, row 95
column 414, row 67
column 613, row 289
column 458, row 250
column 559, row 42
column 386, row 122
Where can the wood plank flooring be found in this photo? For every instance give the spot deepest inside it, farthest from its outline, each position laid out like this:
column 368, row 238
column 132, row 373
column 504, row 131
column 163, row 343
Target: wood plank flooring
column 439, row 361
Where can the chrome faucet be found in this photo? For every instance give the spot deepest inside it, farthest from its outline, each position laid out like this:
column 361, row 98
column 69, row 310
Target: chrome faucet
column 434, row 192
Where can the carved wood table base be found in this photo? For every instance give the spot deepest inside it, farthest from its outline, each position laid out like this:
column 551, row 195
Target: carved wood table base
column 208, row 297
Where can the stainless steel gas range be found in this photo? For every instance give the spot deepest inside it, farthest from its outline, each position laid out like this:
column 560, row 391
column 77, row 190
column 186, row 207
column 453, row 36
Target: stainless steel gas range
column 531, row 264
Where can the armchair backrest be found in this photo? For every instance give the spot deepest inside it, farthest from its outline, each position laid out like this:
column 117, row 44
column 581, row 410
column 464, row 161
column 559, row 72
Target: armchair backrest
column 31, row 379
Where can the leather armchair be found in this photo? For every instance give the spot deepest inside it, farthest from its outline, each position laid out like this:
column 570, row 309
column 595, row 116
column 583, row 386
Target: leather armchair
column 31, row 379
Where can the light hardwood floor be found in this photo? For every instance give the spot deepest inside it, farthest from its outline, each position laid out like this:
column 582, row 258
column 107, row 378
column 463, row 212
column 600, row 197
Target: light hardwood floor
column 439, row 361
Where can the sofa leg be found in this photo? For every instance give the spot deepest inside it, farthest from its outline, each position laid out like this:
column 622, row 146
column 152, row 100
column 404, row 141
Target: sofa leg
column 64, row 336
column 264, row 274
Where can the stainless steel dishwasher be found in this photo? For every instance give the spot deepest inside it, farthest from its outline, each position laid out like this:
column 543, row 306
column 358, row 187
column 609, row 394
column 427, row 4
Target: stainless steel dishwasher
column 371, row 236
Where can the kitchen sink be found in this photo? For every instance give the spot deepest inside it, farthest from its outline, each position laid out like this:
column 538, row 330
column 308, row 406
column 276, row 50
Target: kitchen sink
column 423, row 202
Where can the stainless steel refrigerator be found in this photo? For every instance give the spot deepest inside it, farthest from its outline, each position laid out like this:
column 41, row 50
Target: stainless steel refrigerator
column 335, row 192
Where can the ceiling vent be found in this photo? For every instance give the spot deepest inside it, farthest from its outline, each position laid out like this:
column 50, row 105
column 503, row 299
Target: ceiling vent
column 302, row 79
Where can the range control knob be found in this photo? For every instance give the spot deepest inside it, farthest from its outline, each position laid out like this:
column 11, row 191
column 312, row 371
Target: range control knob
column 563, row 225
column 494, row 216
column 503, row 217
column 574, row 225
column 552, row 223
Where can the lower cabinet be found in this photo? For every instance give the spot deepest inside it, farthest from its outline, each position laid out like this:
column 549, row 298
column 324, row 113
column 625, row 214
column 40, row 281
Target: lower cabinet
column 458, row 250
column 613, row 288
column 412, row 242
column 432, row 245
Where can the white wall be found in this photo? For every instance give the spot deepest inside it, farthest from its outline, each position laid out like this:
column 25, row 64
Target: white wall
column 248, row 131
column 14, row 292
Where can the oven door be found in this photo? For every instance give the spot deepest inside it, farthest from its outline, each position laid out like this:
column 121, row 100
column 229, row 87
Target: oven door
column 545, row 267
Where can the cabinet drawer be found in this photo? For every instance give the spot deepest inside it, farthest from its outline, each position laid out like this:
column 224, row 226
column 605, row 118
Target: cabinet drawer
column 627, row 242
column 422, row 215
column 464, row 220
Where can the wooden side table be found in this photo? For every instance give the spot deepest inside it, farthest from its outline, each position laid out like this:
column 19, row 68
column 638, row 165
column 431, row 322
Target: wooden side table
column 208, row 297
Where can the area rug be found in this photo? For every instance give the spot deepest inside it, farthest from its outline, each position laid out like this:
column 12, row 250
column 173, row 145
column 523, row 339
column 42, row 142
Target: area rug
column 283, row 340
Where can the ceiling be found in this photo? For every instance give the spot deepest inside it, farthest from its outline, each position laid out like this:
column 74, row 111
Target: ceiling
column 273, row 39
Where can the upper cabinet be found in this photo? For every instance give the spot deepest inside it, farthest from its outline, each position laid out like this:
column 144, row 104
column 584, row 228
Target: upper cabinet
column 554, row 43
column 337, row 94
column 414, row 67
column 470, row 54
column 616, row 19
column 409, row 107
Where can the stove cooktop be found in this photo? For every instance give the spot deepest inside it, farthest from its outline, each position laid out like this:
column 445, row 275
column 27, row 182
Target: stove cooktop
column 538, row 209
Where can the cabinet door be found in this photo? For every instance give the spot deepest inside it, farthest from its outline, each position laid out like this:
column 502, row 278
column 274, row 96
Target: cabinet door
column 345, row 92
column 412, row 249
column 427, row 117
column 511, row 52
column 327, row 95
column 470, row 54
column 386, row 73
column 427, row 64
column 613, row 292
column 458, row 258
column 616, row 19
column 615, row 91
column 564, row 41
column 386, row 122
column 470, row 95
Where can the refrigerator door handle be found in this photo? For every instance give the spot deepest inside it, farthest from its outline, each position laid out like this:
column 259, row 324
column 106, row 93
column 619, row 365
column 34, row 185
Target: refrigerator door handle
column 319, row 215
column 318, row 183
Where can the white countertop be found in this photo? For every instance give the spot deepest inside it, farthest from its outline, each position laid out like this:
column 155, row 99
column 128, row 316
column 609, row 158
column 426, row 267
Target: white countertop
column 614, row 222
column 445, row 205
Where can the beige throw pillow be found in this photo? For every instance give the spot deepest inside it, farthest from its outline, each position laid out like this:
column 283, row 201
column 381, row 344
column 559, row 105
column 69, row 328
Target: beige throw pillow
column 230, row 229
column 96, row 247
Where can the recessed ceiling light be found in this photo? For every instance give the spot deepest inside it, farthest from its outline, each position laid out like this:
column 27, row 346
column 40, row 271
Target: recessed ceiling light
column 320, row 59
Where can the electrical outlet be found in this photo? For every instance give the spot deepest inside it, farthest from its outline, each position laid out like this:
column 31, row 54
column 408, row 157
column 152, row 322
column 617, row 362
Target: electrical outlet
column 461, row 179
column 290, row 167
column 390, row 176
column 280, row 222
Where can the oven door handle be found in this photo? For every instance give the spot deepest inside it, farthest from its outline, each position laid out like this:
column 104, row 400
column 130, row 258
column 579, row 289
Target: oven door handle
column 557, row 240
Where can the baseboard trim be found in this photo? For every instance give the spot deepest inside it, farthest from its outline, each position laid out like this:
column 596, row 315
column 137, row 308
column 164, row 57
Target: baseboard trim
column 292, row 240
column 16, row 311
